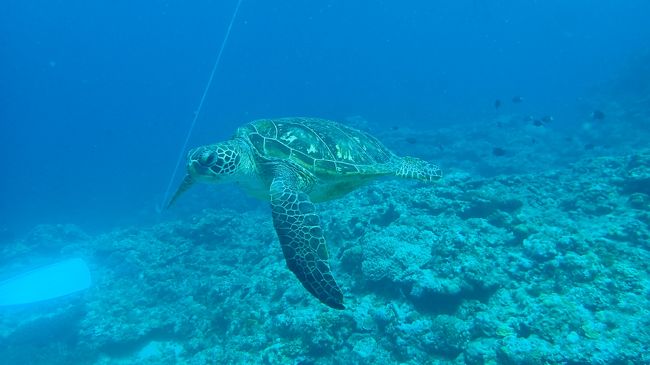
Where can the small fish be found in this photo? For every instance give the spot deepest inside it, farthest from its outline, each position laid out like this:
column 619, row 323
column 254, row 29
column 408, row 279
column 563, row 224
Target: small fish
column 411, row 140
column 598, row 115
column 547, row 118
column 538, row 123
column 498, row 151
column 497, row 104
column 394, row 127
column 517, row 99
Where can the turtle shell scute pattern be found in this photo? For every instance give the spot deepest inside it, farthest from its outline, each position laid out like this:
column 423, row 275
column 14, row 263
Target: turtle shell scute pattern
column 322, row 145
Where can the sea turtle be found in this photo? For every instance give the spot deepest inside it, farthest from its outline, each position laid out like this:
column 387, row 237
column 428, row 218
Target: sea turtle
column 295, row 162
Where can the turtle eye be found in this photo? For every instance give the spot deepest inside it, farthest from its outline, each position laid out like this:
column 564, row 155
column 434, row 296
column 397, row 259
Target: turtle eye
column 206, row 158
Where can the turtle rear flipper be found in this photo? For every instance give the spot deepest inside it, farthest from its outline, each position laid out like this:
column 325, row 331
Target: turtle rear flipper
column 414, row 168
column 302, row 241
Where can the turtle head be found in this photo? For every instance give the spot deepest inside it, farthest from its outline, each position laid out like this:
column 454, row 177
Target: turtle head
column 215, row 163
column 218, row 162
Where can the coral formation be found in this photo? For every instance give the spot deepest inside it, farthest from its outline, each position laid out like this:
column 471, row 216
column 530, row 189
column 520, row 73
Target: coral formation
column 535, row 268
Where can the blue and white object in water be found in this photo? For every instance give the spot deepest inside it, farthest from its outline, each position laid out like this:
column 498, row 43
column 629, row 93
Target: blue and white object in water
column 47, row 282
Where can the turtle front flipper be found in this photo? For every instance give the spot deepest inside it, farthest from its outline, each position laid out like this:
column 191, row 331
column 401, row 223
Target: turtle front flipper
column 302, row 241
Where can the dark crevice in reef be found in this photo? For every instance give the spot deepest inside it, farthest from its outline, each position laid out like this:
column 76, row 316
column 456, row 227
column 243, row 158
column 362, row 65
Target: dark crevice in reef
column 388, row 216
column 385, row 288
column 41, row 341
column 127, row 348
column 637, row 186
column 445, row 303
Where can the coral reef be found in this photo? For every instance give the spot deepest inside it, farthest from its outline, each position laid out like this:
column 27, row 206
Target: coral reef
column 547, row 267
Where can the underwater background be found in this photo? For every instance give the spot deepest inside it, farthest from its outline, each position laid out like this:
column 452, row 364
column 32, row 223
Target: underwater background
column 532, row 249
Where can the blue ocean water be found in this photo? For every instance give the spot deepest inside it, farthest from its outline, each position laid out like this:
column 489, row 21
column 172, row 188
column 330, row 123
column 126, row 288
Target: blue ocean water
column 97, row 97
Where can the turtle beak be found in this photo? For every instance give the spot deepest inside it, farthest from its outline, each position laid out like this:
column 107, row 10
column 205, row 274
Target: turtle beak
column 188, row 181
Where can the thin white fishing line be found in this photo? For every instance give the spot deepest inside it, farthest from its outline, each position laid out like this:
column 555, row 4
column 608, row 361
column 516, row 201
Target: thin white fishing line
column 181, row 155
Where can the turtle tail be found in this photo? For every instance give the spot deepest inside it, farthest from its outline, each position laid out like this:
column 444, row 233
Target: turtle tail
column 414, row 168
column 185, row 185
